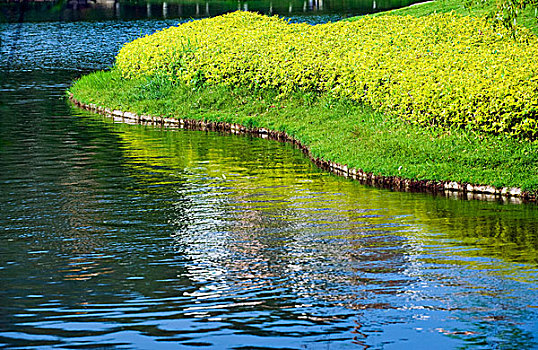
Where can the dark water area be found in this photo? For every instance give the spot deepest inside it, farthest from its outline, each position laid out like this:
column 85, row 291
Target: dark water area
column 99, row 10
column 134, row 237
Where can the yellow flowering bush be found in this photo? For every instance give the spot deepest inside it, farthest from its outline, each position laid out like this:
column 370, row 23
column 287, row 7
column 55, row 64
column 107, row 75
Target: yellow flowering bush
column 437, row 70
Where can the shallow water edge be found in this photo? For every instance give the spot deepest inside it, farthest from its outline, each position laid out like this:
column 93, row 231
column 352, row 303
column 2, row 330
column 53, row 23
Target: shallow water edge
column 453, row 189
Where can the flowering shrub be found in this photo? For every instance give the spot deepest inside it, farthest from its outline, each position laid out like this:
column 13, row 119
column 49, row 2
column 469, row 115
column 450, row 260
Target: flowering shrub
column 436, row 70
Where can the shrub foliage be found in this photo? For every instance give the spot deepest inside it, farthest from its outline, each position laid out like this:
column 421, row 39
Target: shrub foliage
column 436, row 70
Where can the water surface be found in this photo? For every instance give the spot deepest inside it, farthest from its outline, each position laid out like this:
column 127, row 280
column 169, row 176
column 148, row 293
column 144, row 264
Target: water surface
column 122, row 236
column 98, row 10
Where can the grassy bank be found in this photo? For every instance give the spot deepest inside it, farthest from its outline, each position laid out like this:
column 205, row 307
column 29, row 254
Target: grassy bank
column 336, row 129
column 443, row 98
column 527, row 17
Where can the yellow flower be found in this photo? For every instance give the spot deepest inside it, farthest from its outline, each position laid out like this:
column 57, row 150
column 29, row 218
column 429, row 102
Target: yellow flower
column 437, row 70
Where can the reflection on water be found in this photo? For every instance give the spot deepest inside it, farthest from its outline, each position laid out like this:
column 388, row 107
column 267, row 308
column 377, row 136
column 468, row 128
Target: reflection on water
column 84, row 10
column 145, row 237
column 123, row 236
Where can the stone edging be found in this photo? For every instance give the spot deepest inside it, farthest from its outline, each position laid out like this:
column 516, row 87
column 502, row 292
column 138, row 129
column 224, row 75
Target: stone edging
column 449, row 189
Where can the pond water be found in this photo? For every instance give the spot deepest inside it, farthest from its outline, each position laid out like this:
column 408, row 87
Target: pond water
column 122, row 236
column 98, row 10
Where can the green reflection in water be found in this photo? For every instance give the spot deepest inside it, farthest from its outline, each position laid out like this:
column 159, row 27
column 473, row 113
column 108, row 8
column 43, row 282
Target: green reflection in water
column 266, row 177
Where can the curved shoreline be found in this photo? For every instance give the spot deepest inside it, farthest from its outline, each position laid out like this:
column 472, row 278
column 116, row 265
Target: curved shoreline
column 446, row 188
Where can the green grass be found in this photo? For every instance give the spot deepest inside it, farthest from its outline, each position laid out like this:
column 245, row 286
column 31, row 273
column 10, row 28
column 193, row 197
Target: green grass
column 527, row 18
column 337, row 130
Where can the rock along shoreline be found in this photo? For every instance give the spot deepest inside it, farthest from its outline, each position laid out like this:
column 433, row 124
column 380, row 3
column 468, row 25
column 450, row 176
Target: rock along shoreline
column 444, row 188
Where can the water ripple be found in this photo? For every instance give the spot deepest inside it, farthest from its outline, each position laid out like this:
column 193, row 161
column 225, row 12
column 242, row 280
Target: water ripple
column 135, row 237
